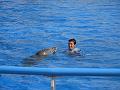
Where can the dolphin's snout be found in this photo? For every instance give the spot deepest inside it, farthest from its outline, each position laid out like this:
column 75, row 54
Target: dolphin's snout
column 54, row 50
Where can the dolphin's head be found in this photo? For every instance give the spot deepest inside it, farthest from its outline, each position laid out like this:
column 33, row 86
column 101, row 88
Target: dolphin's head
column 54, row 49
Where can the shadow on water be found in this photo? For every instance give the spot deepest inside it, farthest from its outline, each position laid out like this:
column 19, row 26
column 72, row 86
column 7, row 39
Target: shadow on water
column 32, row 60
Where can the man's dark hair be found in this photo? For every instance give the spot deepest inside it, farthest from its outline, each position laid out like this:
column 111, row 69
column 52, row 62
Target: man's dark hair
column 73, row 40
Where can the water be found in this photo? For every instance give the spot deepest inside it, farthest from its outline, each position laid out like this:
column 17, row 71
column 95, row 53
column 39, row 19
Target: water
column 27, row 26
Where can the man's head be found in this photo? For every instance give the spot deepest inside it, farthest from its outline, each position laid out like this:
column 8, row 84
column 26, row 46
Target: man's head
column 71, row 43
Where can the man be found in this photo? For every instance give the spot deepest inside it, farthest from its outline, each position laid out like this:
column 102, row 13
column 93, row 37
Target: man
column 71, row 47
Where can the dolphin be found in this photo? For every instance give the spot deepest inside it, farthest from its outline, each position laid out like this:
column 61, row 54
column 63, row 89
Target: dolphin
column 32, row 60
column 47, row 51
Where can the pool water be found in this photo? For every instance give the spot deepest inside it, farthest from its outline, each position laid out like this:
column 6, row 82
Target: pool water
column 27, row 26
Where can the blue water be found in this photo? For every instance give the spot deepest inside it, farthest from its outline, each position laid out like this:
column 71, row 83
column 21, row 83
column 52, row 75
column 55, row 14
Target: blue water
column 27, row 26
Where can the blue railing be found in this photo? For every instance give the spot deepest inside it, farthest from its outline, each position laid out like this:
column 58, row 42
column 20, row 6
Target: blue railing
column 53, row 72
column 60, row 71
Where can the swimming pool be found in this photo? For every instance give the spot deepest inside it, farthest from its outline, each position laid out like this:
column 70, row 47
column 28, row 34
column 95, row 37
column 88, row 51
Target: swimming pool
column 28, row 26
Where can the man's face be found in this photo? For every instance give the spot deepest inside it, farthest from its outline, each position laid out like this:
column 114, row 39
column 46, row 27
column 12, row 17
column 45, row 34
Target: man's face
column 71, row 45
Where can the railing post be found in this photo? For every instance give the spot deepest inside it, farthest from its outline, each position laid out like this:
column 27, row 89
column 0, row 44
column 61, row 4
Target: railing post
column 53, row 84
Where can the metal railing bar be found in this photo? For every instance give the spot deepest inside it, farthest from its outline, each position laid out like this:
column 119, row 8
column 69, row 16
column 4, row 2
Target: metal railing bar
column 60, row 71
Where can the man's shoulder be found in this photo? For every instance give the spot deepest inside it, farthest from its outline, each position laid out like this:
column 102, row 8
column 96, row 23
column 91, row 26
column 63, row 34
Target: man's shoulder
column 76, row 49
